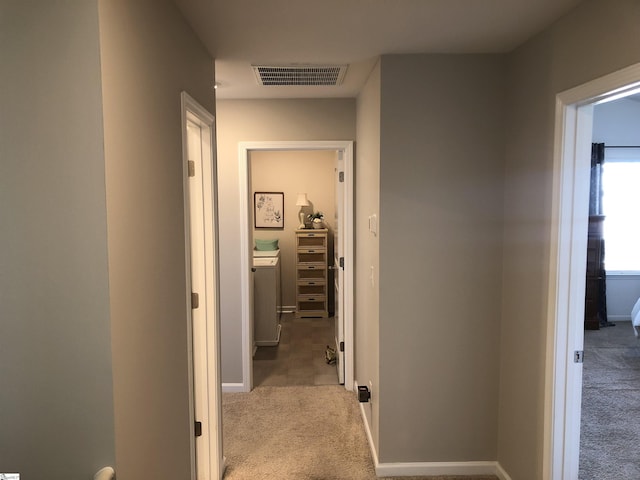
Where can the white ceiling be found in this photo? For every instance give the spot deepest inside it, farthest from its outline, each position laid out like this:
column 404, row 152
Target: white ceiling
column 239, row 33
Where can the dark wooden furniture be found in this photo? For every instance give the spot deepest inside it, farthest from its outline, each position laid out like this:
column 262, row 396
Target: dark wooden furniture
column 595, row 304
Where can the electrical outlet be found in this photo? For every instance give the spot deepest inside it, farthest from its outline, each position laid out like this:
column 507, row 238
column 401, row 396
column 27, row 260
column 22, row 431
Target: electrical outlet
column 370, row 386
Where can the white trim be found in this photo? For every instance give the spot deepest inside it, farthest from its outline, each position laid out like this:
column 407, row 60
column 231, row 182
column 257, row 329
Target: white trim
column 243, row 167
column 563, row 378
column 233, row 387
column 367, row 430
column 501, row 473
column 349, row 242
column 410, row 469
column 211, row 464
column 245, row 265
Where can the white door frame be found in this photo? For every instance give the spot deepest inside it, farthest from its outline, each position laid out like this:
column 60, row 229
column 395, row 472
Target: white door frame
column 205, row 394
column 244, row 148
column 565, row 328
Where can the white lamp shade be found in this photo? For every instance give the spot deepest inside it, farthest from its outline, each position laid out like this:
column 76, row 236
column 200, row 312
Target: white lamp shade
column 302, row 200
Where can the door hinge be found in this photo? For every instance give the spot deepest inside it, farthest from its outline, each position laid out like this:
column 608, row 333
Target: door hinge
column 342, row 263
column 342, row 346
column 191, row 168
column 195, row 300
column 578, row 356
column 341, row 177
column 197, row 429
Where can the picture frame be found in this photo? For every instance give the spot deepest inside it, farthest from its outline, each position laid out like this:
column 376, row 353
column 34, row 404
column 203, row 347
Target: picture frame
column 268, row 210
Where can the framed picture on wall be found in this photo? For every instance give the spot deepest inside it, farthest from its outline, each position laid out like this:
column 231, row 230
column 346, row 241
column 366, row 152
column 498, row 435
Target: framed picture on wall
column 268, row 209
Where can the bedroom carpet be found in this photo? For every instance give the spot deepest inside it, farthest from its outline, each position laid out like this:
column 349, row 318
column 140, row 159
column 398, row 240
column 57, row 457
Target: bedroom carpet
column 298, row 433
column 610, row 425
column 299, row 359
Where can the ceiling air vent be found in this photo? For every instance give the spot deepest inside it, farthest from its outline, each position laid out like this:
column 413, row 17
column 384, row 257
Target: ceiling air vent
column 290, row 75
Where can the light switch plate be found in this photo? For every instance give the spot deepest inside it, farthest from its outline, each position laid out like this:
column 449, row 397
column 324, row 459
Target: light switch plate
column 373, row 224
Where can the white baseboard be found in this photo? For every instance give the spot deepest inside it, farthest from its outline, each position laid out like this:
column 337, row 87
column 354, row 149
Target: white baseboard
column 409, row 469
column 367, row 430
column 233, row 388
column 439, row 468
column 502, row 475
column 619, row 318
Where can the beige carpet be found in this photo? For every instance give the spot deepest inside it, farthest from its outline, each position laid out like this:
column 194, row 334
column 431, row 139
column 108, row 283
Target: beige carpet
column 297, row 433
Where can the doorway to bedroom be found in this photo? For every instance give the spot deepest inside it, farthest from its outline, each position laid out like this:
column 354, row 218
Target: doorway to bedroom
column 335, row 250
column 289, row 348
column 611, row 371
column 570, row 216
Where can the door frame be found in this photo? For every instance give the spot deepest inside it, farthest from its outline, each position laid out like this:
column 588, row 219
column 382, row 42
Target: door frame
column 244, row 150
column 207, row 354
column 568, row 249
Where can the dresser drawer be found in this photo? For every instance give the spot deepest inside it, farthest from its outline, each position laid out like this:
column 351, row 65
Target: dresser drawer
column 312, row 307
column 311, row 288
column 311, row 273
column 312, row 240
column 317, row 257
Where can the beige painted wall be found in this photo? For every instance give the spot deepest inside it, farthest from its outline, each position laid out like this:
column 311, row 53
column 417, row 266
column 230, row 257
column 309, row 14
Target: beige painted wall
column 441, row 186
column 367, row 248
column 56, row 397
column 596, row 38
column 149, row 55
column 290, row 172
column 260, row 120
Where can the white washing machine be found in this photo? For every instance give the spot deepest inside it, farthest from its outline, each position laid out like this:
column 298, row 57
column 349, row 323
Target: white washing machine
column 266, row 297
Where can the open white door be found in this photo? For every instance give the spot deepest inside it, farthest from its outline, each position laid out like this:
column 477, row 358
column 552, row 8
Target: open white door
column 202, row 289
column 338, row 264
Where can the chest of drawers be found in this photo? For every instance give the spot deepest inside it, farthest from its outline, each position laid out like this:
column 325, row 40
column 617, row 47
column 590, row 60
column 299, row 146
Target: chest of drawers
column 311, row 273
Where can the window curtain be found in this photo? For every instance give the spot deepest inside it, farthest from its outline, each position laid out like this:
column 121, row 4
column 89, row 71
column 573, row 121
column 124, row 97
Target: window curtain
column 596, row 219
column 597, row 161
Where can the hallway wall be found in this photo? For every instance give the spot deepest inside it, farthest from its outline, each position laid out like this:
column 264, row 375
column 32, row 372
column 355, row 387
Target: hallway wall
column 367, row 249
column 571, row 52
column 149, row 55
column 56, row 395
column 440, row 228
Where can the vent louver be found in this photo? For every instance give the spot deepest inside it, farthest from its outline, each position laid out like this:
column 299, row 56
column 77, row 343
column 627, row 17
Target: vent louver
column 294, row 75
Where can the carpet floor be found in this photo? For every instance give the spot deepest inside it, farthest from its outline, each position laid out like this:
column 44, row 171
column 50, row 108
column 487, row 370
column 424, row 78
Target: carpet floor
column 298, row 433
column 299, row 358
column 610, row 424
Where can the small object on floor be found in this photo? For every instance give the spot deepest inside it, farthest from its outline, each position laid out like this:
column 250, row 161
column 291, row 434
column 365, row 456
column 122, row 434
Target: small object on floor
column 330, row 355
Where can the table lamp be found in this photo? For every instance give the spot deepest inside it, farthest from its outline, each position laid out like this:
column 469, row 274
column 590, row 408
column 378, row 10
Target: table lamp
column 302, row 202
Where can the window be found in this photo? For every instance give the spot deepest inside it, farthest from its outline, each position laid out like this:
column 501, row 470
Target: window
column 621, row 207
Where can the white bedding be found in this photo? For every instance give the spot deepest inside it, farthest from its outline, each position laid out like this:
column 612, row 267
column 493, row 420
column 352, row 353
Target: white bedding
column 635, row 318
